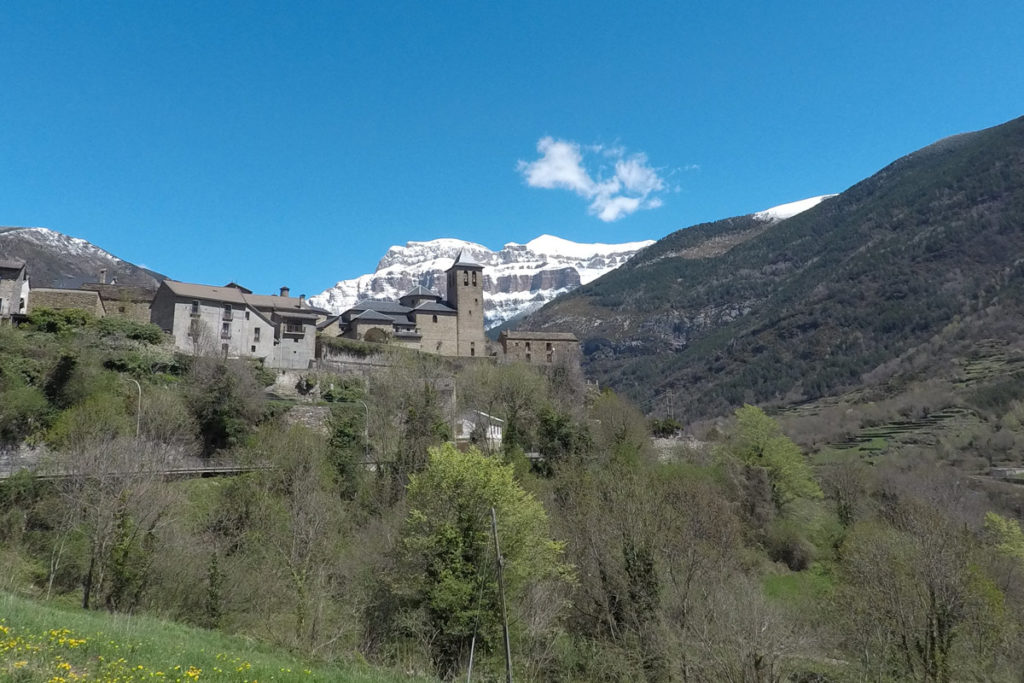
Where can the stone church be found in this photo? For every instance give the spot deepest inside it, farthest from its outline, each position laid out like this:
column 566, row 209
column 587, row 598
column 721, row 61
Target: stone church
column 420, row 319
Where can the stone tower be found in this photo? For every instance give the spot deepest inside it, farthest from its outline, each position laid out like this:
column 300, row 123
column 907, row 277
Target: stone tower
column 466, row 296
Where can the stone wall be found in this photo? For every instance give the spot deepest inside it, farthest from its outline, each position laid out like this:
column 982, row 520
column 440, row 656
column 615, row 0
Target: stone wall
column 63, row 299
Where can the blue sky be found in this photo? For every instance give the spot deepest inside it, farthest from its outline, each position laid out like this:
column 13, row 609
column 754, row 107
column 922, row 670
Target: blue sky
column 292, row 143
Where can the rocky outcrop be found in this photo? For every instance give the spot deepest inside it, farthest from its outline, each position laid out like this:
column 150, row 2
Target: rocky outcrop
column 518, row 278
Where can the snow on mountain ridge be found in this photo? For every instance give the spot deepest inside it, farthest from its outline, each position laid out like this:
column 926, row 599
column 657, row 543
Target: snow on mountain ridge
column 784, row 211
column 517, row 278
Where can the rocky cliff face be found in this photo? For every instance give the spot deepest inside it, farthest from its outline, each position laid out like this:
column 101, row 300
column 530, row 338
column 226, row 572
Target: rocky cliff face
column 517, row 278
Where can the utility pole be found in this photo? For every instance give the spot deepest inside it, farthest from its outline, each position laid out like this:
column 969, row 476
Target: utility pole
column 501, row 596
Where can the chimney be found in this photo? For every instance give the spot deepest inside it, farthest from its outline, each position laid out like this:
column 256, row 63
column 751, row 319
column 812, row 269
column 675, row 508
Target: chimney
column 285, row 291
column 103, row 276
column 302, row 300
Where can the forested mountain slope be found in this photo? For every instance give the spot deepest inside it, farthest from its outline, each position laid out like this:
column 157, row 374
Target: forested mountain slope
column 739, row 310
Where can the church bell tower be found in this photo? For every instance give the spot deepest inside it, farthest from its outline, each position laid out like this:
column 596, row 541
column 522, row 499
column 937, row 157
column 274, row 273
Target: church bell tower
column 466, row 296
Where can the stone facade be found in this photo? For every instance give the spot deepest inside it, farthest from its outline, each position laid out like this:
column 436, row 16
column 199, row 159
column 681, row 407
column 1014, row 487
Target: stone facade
column 128, row 301
column 231, row 320
column 466, row 296
column 65, row 299
column 540, row 348
column 14, row 290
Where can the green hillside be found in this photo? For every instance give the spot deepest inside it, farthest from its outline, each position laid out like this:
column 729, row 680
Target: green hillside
column 43, row 643
column 741, row 311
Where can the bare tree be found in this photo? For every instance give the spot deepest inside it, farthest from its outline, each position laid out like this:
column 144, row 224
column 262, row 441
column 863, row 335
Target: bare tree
column 114, row 492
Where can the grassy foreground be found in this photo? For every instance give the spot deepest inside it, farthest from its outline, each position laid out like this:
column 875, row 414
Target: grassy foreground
column 43, row 643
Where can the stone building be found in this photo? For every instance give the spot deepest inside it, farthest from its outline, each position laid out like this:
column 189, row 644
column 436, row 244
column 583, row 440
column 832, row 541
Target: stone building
column 129, row 301
column 540, row 348
column 14, row 289
column 65, row 299
column 420, row 319
column 280, row 330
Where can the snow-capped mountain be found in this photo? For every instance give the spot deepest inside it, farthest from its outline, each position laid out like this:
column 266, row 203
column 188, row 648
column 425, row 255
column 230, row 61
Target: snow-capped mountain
column 59, row 260
column 518, row 278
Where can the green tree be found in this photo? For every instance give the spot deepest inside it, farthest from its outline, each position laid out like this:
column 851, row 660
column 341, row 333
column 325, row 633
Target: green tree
column 442, row 588
column 758, row 441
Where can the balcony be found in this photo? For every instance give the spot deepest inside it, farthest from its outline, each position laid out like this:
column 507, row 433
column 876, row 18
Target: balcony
column 294, row 329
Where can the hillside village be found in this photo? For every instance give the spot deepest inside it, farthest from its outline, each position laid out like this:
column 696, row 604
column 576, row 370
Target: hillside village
column 283, row 332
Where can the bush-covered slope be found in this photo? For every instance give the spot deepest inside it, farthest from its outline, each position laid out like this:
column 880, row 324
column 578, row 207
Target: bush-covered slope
column 733, row 311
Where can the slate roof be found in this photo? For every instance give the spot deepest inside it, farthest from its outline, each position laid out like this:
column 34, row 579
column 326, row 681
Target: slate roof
column 11, row 264
column 420, row 291
column 372, row 316
column 380, row 306
column 433, row 307
column 541, row 336
column 463, row 261
column 325, row 323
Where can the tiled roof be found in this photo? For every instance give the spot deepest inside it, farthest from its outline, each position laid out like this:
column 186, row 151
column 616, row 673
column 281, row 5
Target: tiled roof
column 235, row 295
column 194, row 291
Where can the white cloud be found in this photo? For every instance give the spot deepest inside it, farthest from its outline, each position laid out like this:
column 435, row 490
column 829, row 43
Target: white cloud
column 632, row 187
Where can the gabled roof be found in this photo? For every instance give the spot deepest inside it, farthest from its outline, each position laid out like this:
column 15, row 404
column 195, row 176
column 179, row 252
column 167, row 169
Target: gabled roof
column 371, row 316
column 209, row 292
column 244, row 290
column 327, row 322
column 463, row 261
column 233, row 294
column 433, row 307
column 420, row 291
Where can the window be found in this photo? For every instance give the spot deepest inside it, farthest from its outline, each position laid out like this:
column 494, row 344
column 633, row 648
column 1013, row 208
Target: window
column 224, row 349
column 195, row 306
column 549, row 356
column 254, row 348
column 527, row 346
column 225, row 331
column 549, row 346
column 227, row 311
column 472, row 348
column 435, row 318
column 527, row 358
column 465, row 277
column 256, row 335
column 247, row 315
column 474, row 278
